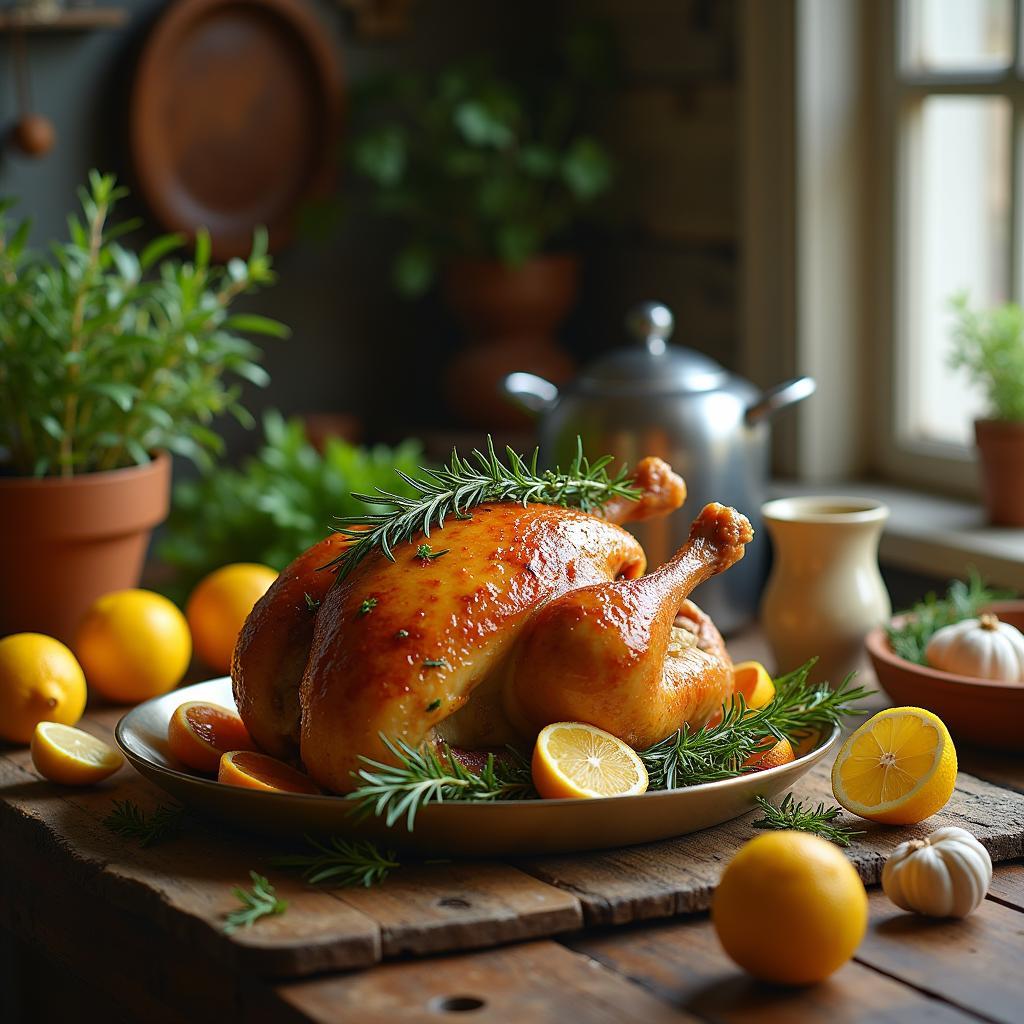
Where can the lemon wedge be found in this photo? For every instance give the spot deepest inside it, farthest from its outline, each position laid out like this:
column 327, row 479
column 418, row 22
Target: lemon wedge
column 573, row 759
column 898, row 768
column 72, row 757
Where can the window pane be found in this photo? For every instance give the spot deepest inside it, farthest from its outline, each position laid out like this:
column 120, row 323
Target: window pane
column 958, row 223
column 959, row 35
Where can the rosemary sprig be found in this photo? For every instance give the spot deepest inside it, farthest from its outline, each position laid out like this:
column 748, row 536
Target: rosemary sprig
column 341, row 862
column 422, row 777
column 128, row 820
column 691, row 757
column 791, row 814
column 463, row 484
column 962, row 601
column 261, row 902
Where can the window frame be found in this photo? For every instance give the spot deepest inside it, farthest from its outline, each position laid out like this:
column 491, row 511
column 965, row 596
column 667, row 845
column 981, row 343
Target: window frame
column 898, row 456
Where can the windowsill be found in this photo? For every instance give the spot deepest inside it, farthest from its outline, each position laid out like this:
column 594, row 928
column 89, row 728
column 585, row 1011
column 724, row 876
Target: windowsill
column 932, row 535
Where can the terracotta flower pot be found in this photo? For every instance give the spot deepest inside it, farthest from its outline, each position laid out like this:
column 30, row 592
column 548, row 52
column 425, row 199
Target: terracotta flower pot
column 510, row 316
column 1001, row 451
column 64, row 542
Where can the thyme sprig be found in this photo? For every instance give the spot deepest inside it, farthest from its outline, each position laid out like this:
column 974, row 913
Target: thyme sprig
column 341, row 862
column 792, row 814
column 128, row 820
column 262, row 901
column 714, row 752
column 423, row 777
column 463, row 484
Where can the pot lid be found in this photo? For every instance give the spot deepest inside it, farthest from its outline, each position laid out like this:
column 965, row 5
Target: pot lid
column 652, row 364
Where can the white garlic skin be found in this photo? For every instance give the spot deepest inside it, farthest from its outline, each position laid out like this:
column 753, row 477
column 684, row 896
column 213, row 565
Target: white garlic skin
column 945, row 875
column 982, row 648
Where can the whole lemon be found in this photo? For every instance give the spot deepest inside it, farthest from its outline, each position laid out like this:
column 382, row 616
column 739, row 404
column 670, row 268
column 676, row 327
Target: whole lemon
column 219, row 606
column 40, row 681
column 133, row 645
column 790, row 908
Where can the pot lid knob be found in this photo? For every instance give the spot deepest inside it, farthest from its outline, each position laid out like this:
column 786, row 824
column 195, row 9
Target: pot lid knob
column 651, row 323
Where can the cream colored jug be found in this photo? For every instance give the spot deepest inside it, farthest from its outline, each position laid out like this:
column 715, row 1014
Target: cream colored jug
column 825, row 592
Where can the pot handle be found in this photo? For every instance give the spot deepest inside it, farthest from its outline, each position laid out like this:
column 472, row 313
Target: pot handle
column 771, row 402
column 528, row 391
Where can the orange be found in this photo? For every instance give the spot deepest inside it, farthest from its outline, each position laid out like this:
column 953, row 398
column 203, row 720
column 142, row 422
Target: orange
column 751, row 679
column 198, row 733
column 219, row 606
column 40, row 681
column 573, row 759
column 807, row 890
column 72, row 757
column 259, row 771
column 771, row 754
column 133, row 645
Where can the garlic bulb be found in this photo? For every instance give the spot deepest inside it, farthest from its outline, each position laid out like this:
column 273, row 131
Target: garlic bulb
column 984, row 648
column 945, row 875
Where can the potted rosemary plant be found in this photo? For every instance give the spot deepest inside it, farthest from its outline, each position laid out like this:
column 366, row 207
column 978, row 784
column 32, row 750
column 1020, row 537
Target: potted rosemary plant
column 489, row 173
column 108, row 361
column 989, row 345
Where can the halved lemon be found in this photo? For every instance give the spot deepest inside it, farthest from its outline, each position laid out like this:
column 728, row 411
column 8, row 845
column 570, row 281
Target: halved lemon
column 573, row 759
column 72, row 757
column 899, row 767
column 751, row 679
column 260, row 771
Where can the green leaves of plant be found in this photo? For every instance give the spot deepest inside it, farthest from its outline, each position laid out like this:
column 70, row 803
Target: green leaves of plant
column 107, row 356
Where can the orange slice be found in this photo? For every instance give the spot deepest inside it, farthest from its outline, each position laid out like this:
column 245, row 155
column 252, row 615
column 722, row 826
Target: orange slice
column 198, row 733
column 573, row 759
column 773, row 752
column 751, row 679
column 259, row 771
column 72, row 757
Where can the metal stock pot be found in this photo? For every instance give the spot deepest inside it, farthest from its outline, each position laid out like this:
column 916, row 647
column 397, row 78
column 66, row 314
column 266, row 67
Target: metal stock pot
column 711, row 425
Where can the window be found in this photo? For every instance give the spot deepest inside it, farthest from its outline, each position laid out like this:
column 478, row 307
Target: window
column 955, row 121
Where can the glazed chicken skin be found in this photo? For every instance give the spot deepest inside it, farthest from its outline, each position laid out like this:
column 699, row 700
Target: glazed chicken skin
column 532, row 611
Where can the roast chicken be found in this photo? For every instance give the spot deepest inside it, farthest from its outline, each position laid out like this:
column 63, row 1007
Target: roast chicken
column 531, row 615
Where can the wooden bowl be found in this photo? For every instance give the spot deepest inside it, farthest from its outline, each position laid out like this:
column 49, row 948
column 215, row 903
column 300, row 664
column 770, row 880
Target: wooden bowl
column 981, row 711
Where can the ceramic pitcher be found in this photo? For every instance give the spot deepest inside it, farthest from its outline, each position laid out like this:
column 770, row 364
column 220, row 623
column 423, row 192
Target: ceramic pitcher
column 825, row 592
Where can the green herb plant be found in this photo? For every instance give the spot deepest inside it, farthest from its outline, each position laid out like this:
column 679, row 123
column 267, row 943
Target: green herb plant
column 129, row 821
column 277, row 503
column 261, row 901
column 792, row 814
column 463, row 484
column 989, row 345
column 341, row 862
column 912, row 629
column 107, row 356
column 484, row 162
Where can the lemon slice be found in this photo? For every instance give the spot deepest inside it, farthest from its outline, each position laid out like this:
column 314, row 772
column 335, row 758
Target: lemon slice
column 572, row 759
column 899, row 767
column 752, row 680
column 72, row 757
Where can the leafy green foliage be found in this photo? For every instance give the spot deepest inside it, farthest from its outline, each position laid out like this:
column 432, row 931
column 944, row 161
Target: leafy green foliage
column 280, row 502
column 341, row 862
column 463, row 484
column 713, row 752
column 423, row 777
column 107, row 355
column 261, row 901
column 129, row 821
column 477, row 162
column 917, row 625
column 793, row 815
column 989, row 345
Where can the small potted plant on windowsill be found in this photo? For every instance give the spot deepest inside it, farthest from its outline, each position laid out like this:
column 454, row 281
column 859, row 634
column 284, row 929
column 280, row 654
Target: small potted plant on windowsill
column 488, row 174
column 989, row 345
column 108, row 361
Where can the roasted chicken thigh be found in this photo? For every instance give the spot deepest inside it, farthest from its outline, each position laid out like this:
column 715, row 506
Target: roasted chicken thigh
column 531, row 615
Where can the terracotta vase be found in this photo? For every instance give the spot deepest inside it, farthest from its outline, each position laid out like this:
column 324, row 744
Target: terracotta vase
column 65, row 542
column 825, row 592
column 510, row 316
column 1001, row 451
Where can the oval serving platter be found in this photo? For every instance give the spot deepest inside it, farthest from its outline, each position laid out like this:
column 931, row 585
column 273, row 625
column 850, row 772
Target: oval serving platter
column 505, row 828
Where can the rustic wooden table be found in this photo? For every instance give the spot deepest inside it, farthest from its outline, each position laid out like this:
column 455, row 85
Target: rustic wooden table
column 94, row 929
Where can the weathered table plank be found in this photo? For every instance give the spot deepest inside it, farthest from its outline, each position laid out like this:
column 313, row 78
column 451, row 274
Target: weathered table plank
column 684, row 964
column 679, row 875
